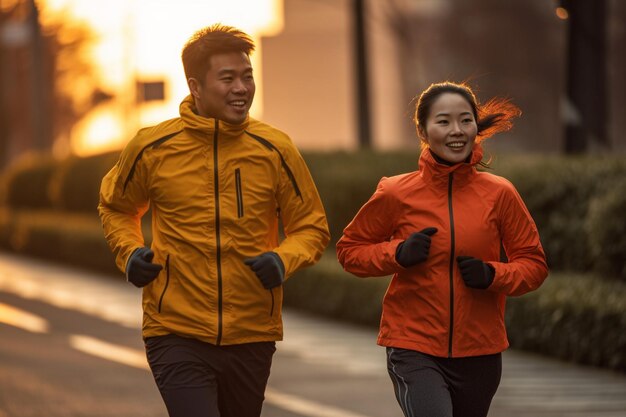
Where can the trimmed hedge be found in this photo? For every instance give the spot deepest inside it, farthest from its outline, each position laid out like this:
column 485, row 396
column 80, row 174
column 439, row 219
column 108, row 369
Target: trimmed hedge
column 42, row 182
column 75, row 187
column 26, row 183
column 606, row 238
column 576, row 317
column 558, row 192
column 77, row 240
column 577, row 202
column 346, row 181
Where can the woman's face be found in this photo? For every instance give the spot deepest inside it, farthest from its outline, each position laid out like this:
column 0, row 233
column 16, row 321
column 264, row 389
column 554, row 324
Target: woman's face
column 450, row 129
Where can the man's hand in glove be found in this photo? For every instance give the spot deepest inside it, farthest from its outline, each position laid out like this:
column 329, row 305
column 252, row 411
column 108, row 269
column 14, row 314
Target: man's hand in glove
column 415, row 248
column 269, row 268
column 475, row 273
column 140, row 270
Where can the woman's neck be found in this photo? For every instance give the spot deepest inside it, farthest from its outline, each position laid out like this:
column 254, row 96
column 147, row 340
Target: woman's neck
column 448, row 163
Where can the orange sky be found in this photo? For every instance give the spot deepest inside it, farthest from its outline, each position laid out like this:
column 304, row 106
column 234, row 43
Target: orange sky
column 142, row 39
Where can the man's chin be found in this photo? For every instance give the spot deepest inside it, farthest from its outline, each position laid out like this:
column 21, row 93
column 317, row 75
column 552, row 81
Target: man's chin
column 235, row 119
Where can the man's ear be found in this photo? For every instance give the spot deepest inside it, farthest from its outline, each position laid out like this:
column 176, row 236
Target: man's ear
column 194, row 87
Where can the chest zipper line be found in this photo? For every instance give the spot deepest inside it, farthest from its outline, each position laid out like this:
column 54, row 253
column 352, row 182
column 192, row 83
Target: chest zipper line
column 452, row 248
column 218, row 250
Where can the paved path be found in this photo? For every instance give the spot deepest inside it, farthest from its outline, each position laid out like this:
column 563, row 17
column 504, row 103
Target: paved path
column 322, row 369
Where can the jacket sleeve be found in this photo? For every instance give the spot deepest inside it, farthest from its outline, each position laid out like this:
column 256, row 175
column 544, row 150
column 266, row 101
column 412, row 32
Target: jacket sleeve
column 367, row 248
column 302, row 214
column 526, row 268
column 123, row 201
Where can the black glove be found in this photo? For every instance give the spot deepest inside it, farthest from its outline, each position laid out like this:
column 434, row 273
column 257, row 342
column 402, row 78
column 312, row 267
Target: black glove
column 415, row 248
column 475, row 272
column 140, row 270
column 268, row 267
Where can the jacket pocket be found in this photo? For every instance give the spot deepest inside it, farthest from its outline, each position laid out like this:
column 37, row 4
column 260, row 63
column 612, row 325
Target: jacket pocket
column 239, row 192
column 167, row 282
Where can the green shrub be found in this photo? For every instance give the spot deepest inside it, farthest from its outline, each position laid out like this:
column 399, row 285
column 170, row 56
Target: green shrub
column 25, row 182
column 327, row 290
column 346, row 181
column 75, row 239
column 580, row 318
column 75, row 186
column 606, row 230
column 557, row 191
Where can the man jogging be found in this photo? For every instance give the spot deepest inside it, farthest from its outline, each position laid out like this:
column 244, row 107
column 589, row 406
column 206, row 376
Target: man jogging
column 218, row 183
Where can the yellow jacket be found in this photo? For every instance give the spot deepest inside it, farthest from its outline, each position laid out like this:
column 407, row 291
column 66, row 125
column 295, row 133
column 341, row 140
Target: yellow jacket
column 217, row 194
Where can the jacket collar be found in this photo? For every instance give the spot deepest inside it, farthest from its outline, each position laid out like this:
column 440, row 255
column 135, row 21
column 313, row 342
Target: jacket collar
column 438, row 173
column 207, row 126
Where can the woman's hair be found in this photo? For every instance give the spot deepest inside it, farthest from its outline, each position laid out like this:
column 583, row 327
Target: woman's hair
column 495, row 116
column 211, row 40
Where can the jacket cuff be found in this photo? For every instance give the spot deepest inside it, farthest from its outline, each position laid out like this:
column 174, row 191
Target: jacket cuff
column 128, row 261
column 280, row 263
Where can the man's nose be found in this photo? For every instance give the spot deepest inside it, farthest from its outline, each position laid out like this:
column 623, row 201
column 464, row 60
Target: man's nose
column 239, row 86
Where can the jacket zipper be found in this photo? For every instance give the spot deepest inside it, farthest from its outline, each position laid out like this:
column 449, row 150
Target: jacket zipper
column 167, row 281
column 450, row 177
column 218, row 254
column 272, row 309
column 239, row 193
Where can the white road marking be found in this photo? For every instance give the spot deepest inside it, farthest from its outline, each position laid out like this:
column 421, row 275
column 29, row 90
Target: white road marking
column 23, row 319
column 109, row 351
column 109, row 299
column 305, row 407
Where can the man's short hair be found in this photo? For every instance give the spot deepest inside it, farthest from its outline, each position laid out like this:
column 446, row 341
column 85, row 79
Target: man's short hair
column 211, row 40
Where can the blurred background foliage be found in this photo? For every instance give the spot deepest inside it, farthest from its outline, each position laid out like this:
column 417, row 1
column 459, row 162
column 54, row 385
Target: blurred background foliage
column 48, row 209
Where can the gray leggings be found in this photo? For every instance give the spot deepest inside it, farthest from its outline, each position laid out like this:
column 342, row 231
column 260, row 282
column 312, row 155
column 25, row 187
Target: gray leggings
column 428, row 386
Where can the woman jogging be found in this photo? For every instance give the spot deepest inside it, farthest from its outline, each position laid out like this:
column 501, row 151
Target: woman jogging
column 439, row 231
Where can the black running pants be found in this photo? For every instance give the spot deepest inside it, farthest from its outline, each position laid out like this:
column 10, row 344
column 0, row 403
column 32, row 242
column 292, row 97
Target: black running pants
column 198, row 379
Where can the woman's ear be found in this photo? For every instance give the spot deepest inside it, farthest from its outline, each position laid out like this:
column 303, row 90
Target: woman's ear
column 421, row 134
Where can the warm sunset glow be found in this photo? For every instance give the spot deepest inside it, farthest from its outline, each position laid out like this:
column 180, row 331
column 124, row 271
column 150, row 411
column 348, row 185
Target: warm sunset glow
column 141, row 40
column 101, row 130
column 562, row 13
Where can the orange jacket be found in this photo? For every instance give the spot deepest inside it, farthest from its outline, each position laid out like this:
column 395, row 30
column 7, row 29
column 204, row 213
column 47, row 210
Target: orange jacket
column 427, row 307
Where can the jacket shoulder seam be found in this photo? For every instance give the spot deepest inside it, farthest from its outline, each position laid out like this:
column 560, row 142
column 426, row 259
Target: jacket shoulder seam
column 269, row 145
column 152, row 144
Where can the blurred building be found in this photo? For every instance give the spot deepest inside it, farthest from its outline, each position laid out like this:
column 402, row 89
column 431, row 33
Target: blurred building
column 515, row 49
column 307, row 75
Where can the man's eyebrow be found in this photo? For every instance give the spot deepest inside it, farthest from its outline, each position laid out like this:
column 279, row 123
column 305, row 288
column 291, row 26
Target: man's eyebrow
column 229, row 71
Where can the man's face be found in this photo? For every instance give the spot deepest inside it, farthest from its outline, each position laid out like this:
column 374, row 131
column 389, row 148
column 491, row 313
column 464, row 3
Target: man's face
column 227, row 90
